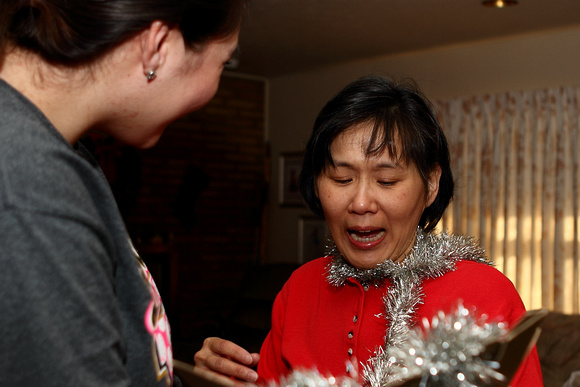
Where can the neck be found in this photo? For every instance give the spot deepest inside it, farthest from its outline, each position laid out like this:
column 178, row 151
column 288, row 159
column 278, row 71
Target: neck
column 62, row 94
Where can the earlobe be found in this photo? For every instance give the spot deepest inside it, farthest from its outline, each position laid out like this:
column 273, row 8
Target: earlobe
column 153, row 47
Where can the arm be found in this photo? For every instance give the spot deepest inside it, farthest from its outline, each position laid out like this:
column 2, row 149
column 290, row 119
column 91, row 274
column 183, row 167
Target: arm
column 493, row 294
column 59, row 308
column 226, row 363
column 502, row 299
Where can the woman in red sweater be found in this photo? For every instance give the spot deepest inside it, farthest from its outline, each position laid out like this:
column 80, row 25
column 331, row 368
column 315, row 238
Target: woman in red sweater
column 377, row 170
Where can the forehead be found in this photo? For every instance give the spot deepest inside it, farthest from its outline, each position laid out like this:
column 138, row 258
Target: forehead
column 359, row 138
column 354, row 138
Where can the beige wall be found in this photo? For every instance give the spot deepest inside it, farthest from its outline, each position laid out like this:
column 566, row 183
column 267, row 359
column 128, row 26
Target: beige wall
column 521, row 63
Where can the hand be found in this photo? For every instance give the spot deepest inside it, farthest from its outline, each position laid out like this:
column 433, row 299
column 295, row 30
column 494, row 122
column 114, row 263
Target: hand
column 225, row 363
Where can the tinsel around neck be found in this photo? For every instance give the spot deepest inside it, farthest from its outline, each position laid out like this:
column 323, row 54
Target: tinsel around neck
column 432, row 256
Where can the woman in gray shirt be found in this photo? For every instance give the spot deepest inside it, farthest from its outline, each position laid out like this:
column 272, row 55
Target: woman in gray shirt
column 77, row 305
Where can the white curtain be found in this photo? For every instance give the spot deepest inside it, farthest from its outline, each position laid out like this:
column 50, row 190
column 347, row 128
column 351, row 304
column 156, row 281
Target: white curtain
column 516, row 160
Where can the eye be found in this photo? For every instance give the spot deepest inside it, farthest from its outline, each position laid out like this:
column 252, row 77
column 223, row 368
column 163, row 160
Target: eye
column 234, row 60
column 342, row 181
column 386, row 183
column 232, row 63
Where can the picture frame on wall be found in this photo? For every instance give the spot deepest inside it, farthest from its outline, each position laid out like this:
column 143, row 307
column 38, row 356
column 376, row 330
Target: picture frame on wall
column 313, row 236
column 290, row 165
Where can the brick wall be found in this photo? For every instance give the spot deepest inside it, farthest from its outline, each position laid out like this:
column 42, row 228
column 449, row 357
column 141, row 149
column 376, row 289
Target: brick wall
column 196, row 200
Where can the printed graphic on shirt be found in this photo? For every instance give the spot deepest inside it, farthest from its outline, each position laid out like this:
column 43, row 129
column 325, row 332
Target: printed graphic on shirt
column 157, row 325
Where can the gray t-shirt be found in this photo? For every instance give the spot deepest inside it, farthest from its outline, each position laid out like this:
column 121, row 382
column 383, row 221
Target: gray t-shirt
column 77, row 307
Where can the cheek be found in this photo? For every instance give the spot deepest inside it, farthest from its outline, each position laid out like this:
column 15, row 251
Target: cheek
column 204, row 97
column 408, row 204
column 325, row 196
column 202, row 93
column 334, row 209
column 211, row 85
column 201, row 83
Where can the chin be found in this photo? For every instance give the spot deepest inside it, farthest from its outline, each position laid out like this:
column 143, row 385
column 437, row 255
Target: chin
column 148, row 144
column 149, row 141
column 367, row 266
column 364, row 264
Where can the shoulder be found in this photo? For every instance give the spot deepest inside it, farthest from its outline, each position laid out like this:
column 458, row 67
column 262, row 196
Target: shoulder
column 475, row 276
column 480, row 275
column 306, row 280
column 40, row 171
column 475, row 285
column 311, row 271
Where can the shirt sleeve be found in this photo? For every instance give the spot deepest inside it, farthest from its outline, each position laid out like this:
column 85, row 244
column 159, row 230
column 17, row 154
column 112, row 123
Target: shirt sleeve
column 60, row 319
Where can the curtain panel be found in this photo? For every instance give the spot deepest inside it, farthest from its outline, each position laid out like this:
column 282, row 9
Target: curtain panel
column 516, row 162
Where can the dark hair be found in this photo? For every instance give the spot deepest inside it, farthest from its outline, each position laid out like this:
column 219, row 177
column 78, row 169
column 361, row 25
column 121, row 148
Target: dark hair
column 404, row 124
column 79, row 31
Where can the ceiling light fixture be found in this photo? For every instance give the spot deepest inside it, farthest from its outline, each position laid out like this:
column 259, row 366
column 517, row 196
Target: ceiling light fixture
column 499, row 3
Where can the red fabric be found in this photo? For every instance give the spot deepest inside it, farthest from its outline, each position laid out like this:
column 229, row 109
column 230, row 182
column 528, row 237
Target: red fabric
column 311, row 320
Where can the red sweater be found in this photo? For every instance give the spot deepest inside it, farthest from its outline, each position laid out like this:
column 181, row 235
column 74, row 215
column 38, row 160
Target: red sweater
column 332, row 329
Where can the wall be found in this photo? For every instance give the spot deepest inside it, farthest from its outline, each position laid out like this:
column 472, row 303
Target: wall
column 520, row 63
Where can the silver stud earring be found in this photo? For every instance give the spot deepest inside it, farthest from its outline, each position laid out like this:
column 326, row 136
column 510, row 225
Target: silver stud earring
column 151, row 75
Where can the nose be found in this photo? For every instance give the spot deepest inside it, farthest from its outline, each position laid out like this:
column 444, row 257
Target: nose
column 363, row 200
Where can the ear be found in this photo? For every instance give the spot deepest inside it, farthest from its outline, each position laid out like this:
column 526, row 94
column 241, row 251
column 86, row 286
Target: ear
column 433, row 185
column 153, row 47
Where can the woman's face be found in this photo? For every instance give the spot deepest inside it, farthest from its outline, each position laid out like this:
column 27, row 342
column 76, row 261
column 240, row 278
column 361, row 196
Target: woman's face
column 185, row 82
column 372, row 204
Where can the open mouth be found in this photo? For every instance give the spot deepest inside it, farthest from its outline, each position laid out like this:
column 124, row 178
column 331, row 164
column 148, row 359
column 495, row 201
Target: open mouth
column 367, row 236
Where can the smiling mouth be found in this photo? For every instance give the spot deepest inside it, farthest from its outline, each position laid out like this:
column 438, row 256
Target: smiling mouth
column 366, row 236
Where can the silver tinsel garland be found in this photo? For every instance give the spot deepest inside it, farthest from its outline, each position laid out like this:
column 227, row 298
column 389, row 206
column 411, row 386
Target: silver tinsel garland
column 432, row 256
column 447, row 353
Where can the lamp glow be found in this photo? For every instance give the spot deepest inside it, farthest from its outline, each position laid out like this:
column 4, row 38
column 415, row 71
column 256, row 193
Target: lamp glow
column 499, row 3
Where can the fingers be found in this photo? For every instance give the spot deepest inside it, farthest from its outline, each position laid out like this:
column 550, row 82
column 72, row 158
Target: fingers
column 230, row 350
column 255, row 359
column 229, row 367
column 221, row 359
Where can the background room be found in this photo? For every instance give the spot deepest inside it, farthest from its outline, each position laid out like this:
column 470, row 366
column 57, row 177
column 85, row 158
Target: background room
column 212, row 214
